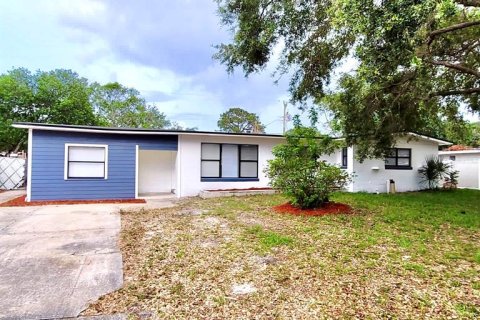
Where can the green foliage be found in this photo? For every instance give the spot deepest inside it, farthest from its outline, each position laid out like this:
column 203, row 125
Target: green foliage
column 238, row 120
column 298, row 171
column 119, row 106
column 433, row 171
column 63, row 97
column 417, row 61
column 58, row 96
column 176, row 126
column 452, row 177
column 269, row 239
column 472, row 135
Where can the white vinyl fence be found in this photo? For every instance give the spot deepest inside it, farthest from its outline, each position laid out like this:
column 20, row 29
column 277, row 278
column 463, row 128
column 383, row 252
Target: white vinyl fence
column 468, row 167
column 12, row 173
column 469, row 172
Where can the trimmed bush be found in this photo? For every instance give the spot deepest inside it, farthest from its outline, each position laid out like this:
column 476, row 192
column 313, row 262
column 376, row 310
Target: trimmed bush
column 299, row 173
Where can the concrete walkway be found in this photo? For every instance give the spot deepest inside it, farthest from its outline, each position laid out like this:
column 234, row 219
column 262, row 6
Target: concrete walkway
column 55, row 260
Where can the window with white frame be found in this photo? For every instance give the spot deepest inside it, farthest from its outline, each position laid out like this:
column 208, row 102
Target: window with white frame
column 229, row 161
column 84, row 161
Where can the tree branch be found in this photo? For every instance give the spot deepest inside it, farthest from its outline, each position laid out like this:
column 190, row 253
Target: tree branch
column 454, row 27
column 457, row 92
column 457, row 66
column 469, row 3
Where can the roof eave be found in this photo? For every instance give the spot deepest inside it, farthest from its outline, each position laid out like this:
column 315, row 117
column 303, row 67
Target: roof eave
column 440, row 142
column 132, row 131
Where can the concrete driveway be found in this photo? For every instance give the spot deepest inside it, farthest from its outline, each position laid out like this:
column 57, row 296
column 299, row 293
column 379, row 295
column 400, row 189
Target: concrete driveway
column 54, row 260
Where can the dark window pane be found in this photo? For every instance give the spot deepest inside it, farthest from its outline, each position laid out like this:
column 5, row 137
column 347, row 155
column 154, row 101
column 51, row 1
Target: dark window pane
column 390, row 162
column 404, row 153
column 210, row 151
column 392, row 153
column 404, row 162
column 249, row 152
column 248, row 169
column 210, row 169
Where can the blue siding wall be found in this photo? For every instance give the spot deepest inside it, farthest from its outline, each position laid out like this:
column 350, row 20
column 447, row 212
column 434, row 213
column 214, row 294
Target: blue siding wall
column 48, row 159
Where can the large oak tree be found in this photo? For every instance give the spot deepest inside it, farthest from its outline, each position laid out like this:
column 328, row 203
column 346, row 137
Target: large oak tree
column 63, row 97
column 417, row 60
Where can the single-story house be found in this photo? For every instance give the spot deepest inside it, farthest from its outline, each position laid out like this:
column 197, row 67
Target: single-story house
column 70, row 162
column 467, row 163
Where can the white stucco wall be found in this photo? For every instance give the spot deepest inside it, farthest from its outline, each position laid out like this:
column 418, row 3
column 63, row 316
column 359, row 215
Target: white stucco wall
column 156, row 171
column 189, row 161
column 370, row 180
column 336, row 159
column 333, row 158
column 468, row 167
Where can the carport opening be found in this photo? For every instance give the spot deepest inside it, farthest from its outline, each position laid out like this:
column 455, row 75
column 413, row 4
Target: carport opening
column 156, row 172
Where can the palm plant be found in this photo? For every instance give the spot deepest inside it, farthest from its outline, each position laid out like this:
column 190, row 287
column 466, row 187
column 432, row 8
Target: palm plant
column 433, row 170
column 452, row 178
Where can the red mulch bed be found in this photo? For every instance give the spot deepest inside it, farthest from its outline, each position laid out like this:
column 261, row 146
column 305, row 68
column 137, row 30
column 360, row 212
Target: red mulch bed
column 329, row 208
column 20, row 202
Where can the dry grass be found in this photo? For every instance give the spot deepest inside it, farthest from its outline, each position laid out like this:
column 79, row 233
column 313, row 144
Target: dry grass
column 385, row 261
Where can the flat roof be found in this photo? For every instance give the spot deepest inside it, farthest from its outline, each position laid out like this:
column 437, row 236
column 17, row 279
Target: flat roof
column 440, row 142
column 139, row 131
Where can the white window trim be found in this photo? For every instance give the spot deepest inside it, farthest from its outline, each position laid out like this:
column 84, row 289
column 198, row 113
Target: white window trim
column 65, row 166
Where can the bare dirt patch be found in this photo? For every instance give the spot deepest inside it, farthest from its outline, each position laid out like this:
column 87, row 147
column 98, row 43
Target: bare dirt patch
column 238, row 259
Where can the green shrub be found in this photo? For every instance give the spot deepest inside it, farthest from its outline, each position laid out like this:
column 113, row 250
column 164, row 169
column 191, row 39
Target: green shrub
column 452, row 178
column 299, row 173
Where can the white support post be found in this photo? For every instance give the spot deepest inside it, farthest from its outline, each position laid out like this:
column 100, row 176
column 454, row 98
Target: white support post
column 478, row 174
column 29, row 165
column 350, row 166
column 136, row 171
column 179, row 167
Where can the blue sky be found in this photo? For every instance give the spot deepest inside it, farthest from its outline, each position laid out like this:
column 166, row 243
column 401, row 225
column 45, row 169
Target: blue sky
column 162, row 48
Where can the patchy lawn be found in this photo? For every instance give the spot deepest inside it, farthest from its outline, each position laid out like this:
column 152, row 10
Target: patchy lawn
column 414, row 255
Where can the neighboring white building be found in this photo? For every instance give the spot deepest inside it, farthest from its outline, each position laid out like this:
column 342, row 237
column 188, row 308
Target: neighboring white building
column 374, row 175
column 467, row 163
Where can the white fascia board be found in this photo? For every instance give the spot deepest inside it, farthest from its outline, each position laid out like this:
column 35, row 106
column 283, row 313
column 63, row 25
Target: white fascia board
column 459, row 152
column 438, row 141
column 92, row 130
